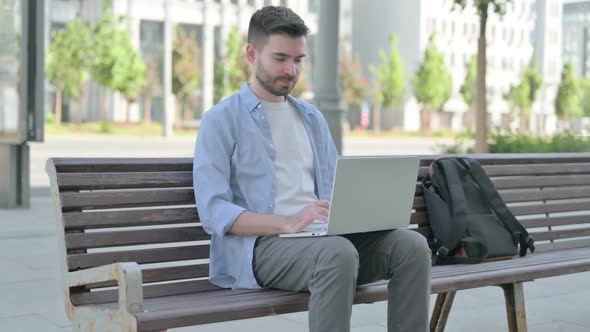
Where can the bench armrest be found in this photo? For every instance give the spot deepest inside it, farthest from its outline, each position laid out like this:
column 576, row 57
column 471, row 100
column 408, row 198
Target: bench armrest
column 127, row 275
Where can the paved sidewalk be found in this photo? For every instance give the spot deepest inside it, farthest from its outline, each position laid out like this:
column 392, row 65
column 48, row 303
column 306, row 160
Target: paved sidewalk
column 32, row 300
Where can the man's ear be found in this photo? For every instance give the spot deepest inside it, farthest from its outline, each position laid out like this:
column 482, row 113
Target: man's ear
column 251, row 53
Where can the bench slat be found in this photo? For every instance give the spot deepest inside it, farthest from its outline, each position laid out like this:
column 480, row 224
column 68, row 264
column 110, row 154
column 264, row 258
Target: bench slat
column 132, row 198
column 561, row 234
column 129, row 218
column 167, row 273
column 134, row 237
column 538, row 195
column 549, row 208
column 122, row 180
column 224, row 305
column 562, row 245
column 539, row 169
column 85, row 165
column 555, row 221
column 149, row 291
column 141, row 256
column 528, row 260
column 541, row 181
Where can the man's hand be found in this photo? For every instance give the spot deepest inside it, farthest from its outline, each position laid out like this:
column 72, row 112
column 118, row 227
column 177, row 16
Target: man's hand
column 317, row 210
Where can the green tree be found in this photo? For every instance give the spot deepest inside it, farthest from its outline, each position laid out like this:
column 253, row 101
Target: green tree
column 130, row 73
column 237, row 67
column 432, row 83
column 518, row 97
column 522, row 96
column 186, row 71
column 585, row 96
column 390, row 81
column 68, row 62
column 482, row 7
column 151, row 88
column 218, row 81
column 467, row 90
column 354, row 86
column 118, row 65
column 567, row 101
column 535, row 80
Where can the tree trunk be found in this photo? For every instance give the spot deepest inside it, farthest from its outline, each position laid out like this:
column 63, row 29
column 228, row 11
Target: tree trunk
column 105, row 104
column 188, row 116
column 58, row 101
column 523, row 122
column 377, row 119
column 79, row 110
column 176, row 114
column 481, row 132
column 127, row 111
column 425, row 119
column 147, row 117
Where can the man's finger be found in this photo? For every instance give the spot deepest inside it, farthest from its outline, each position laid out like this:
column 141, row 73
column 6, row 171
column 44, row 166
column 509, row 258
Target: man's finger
column 323, row 212
column 323, row 203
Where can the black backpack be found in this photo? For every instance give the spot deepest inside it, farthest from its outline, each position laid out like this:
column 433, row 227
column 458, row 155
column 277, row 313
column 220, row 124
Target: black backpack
column 469, row 219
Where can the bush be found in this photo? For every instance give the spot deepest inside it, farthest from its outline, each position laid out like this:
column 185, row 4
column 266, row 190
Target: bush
column 521, row 143
column 106, row 127
column 49, row 118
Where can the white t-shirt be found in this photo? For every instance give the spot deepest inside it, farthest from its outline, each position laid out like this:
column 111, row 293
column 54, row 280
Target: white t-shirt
column 294, row 172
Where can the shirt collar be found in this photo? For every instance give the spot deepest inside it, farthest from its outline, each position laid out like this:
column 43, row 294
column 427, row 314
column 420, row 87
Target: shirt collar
column 252, row 102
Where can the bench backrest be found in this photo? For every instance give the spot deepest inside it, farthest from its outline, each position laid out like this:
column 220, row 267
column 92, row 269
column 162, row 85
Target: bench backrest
column 143, row 210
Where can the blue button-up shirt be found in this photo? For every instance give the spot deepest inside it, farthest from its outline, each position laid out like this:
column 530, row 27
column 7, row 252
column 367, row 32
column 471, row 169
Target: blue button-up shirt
column 233, row 171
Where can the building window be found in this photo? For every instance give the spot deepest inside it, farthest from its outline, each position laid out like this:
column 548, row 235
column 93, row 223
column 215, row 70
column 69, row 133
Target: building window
column 430, row 25
column 284, row 3
column 269, row 3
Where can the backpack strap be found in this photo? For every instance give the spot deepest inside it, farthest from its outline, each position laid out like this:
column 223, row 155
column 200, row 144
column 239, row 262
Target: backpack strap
column 453, row 193
column 487, row 188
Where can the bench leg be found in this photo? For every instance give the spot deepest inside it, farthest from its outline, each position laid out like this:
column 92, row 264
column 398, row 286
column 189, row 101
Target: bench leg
column 440, row 314
column 515, row 309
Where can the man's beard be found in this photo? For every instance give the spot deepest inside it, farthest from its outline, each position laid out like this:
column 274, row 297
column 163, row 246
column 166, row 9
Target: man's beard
column 267, row 83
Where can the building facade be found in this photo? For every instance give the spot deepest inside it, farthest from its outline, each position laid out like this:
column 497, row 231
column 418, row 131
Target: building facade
column 576, row 35
column 529, row 27
column 208, row 21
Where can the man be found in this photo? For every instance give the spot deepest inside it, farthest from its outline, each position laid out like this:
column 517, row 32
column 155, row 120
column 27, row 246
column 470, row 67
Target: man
column 264, row 165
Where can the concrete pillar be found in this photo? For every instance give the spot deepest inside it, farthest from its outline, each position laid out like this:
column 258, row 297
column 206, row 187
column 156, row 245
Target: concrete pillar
column 327, row 92
column 15, row 181
column 207, row 56
column 168, row 116
column 133, row 26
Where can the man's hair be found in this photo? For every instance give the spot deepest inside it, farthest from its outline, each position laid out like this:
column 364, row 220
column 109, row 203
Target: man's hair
column 274, row 20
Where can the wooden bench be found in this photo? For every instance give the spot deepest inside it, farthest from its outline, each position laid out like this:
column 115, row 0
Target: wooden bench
column 134, row 256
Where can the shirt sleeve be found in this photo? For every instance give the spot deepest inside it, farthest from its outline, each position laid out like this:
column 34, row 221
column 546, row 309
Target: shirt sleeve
column 211, row 175
column 331, row 150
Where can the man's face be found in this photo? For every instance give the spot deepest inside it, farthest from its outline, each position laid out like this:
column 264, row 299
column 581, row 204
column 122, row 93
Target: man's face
column 278, row 64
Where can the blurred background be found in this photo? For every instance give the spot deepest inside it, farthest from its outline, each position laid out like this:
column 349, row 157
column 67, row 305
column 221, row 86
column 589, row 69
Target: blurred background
column 489, row 75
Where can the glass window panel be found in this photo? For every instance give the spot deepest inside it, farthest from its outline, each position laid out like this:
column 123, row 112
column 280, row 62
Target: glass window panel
column 10, row 60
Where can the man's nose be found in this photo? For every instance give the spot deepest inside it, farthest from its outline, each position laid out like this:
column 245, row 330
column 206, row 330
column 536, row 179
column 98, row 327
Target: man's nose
column 290, row 68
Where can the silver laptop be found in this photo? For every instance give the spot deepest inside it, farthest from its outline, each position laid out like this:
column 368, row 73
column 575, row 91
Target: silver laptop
column 369, row 194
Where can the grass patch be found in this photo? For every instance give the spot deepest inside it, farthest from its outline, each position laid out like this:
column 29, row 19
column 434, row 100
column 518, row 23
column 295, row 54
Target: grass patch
column 113, row 128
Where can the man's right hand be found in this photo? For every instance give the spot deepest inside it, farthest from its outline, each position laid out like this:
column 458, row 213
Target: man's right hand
column 317, row 210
